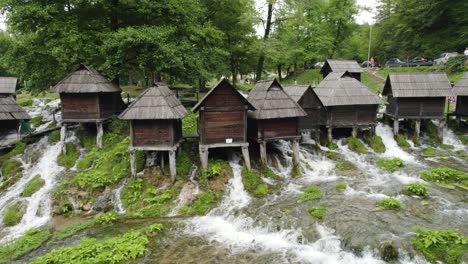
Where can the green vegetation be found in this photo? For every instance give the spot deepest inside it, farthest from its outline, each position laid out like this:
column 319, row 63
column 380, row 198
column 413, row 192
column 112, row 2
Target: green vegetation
column 190, row 124
column 447, row 246
column 87, row 137
column 376, row 143
column 417, row 189
column 433, row 134
column 318, row 212
column 184, row 163
column 339, row 165
column 107, row 218
column 12, row 172
column 25, row 102
column 202, row 204
column 13, row 215
column 69, row 159
column 32, row 240
column 306, row 77
column 446, row 176
column 374, row 84
column 310, row 193
column 389, row 204
column 253, row 183
column 54, row 137
column 456, row 64
column 128, row 246
column 36, row 121
column 402, row 142
column 71, row 229
column 86, row 162
column 33, row 185
column 18, row 149
column 341, row 186
column 390, row 165
column 429, row 152
column 296, row 171
column 356, row 145
column 215, row 169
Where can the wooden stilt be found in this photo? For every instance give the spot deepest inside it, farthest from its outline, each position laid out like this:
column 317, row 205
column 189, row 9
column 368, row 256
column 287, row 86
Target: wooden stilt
column 458, row 121
column 162, row 160
column 172, row 164
column 396, row 126
column 100, row 132
column 372, row 130
column 204, row 157
column 133, row 162
column 263, row 153
column 295, row 146
column 354, row 132
column 18, row 134
column 417, row 128
column 245, row 153
column 317, row 136
column 63, row 136
column 330, row 134
column 441, row 126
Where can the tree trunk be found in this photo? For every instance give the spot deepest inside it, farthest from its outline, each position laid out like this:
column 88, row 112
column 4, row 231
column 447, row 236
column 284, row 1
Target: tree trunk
column 261, row 59
column 280, row 78
column 295, row 69
column 233, row 71
column 114, row 17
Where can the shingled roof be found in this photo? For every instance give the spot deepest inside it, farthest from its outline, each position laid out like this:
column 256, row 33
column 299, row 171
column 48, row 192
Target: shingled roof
column 271, row 101
column 343, row 65
column 342, row 89
column 461, row 88
column 157, row 102
column 417, row 85
column 8, row 85
column 10, row 110
column 85, row 80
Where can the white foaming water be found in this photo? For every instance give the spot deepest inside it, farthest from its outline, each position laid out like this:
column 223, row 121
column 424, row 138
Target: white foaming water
column 284, row 171
column 116, row 193
column 189, row 191
column 40, row 107
column 318, row 169
column 392, row 148
column 39, row 204
column 449, row 138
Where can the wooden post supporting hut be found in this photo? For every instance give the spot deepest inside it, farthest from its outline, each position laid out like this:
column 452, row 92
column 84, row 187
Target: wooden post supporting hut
column 223, row 121
column 88, row 97
column 461, row 92
column 155, row 124
column 416, row 96
column 276, row 118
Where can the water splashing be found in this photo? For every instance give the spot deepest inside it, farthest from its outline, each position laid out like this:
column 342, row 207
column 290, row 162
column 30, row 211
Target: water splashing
column 188, row 192
column 449, row 138
column 116, row 193
column 392, row 148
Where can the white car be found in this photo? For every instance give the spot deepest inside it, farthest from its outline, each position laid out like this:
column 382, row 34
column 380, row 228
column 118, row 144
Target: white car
column 443, row 58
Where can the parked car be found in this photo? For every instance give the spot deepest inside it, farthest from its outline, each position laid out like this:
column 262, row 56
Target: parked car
column 443, row 58
column 366, row 64
column 318, row 65
column 421, row 61
column 395, row 62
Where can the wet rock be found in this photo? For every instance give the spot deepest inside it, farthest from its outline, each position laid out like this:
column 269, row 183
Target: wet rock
column 104, row 202
column 388, row 251
column 86, row 207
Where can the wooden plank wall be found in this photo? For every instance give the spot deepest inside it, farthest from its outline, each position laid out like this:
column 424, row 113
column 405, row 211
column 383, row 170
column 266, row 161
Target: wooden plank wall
column 311, row 104
column 79, row 106
column 277, row 128
column 421, row 107
column 152, row 133
column 462, row 105
column 349, row 116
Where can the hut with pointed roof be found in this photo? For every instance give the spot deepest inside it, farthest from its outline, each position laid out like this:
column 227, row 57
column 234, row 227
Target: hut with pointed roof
column 155, row 124
column 348, row 103
column 416, row 96
column 88, row 97
column 8, row 86
column 223, row 121
column 306, row 97
column 350, row 66
column 276, row 118
column 461, row 92
column 11, row 115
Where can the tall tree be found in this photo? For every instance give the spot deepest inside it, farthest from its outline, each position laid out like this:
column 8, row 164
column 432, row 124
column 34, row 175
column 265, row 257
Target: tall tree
column 268, row 25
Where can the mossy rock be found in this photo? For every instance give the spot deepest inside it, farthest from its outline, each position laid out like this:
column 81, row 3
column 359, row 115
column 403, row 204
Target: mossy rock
column 69, row 159
column 17, row 150
column 201, row 205
column 310, row 193
column 12, row 172
column 33, row 186
column 318, row 212
column 375, row 142
column 356, row 145
column 388, row 251
column 13, row 215
column 54, row 137
column 390, row 165
column 36, row 121
column 389, row 204
column 429, row 152
column 402, row 142
column 253, row 183
column 341, row 186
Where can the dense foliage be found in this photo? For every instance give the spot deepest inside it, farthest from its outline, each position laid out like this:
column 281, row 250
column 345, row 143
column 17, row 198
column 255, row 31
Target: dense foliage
column 447, row 246
column 389, row 204
column 17, row 248
column 390, row 165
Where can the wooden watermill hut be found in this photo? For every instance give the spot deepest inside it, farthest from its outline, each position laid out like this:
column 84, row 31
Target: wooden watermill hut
column 88, row 97
column 416, row 96
column 350, row 66
column 223, row 121
column 155, row 124
column 461, row 92
column 276, row 118
column 8, row 86
column 348, row 103
column 11, row 115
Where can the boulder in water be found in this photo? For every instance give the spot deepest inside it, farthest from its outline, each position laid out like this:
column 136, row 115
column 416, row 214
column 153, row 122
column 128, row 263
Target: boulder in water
column 388, row 251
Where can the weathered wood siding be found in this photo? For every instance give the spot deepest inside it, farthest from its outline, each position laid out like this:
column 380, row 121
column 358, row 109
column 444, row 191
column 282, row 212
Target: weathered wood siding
column 417, row 107
column 110, row 104
column 152, row 133
column 311, row 104
column 277, row 128
column 462, row 106
column 223, row 117
column 349, row 116
column 79, row 106
column 326, row 70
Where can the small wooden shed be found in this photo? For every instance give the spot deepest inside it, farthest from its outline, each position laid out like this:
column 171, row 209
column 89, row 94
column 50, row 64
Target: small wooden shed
column 88, row 97
column 305, row 96
column 8, row 86
column 223, row 121
column 461, row 92
column 416, row 96
column 155, row 124
column 348, row 103
column 11, row 115
column 276, row 118
column 350, row 66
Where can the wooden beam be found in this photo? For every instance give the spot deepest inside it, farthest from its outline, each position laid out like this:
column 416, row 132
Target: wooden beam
column 100, row 132
column 263, row 152
column 172, row 165
column 396, row 128
column 133, row 162
column 63, row 136
column 245, row 153
column 203, row 157
column 330, row 134
column 296, row 158
column 417, row 128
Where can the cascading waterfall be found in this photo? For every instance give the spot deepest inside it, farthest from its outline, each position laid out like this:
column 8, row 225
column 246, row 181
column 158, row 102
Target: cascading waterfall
column 41, row 107
column 116, row 193
column 449, row 138
column 39, row 204
column 188, row 192
column 392, row 148
column 281, row 170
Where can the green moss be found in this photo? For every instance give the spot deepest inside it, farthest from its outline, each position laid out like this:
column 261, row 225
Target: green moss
column 268, row 173
column 389, row 204
column 402, row 142
column 215, row 169
column 339, row 165
column 86, row 162
column 433, row 134
column 184, row 163
column 32, row 240
column 341, row 186
column 36, row 121
column 429, row 152
column 107, row 218
column 447, row 246
column 72, row 229
column 13, row 215
column 25, row 102
column 253, row 183
column 417, row 189
column 376, row 143
column 12, row 172
column 310, row 193
column 332, row 155
column 17, row 150
column 446, row 176
column 190, row 124
column 356, row 145
column 445, row 146
column 33, row 185
column 462, row 154
column 318, row 212
column 390, row 165
column 202, row 204
column 296, row 172
column 332, row 146
column 54, row 137
column 68, row 160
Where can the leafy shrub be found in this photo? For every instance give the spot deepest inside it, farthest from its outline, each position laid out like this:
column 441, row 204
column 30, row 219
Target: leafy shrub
column 25, row 102
column 341, row 186
column 332, row 155
column 376, row 143
column 33, row 185
column 253, row 183
column 296, row 171
column 214, row 169
column 356, row 145
column 390, row 165
column 13, row 215
column 318, row 212
column 456, row 64
column 429, row 152
column 417, row 189
column 32, row 240
column 389, row 204
column 86, row 137
column 107, row 218
column 71, row 229
column 332, row 146
column 36, row 121
column 68, row 160
column 54, row 137
column 447, row 246
column 446, row 176
column 202, row 204
column 86, row 162
column 189, row 126
column 310, row 193
column 402, row 142
column 184, row 163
